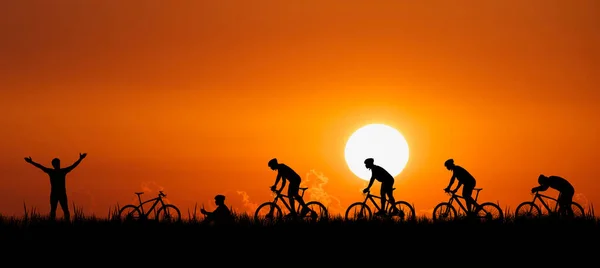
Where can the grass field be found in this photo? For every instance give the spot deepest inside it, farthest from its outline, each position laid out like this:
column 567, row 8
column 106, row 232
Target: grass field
column 334, row 240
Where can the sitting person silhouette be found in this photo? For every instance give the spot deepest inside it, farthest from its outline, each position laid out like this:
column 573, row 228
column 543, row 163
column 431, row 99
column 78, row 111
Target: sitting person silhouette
column 387, row 184
column 565, row 189
column 286, row 173
column 465, row 179
column 58, row 189
column 221, row 214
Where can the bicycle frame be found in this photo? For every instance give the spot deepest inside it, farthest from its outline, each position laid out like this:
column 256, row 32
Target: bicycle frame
column 372, row 197
column 541, row 197
column 457, row 198
column 283, row 197
column 152, row 208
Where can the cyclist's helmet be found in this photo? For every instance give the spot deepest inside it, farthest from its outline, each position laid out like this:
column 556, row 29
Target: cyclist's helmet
column 273, row 162
column 369, row 161
column 449, row 162
column 542, row 178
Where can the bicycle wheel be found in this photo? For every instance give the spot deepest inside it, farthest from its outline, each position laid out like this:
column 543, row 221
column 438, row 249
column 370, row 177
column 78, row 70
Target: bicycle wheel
column 489, row 212
column 268, row 212
column 358, row 211
column 528, row 210
column 578, row 211
column 129, row 213
column 402, row 211
column 318, row 211
column 444, row 212
column 168, row 213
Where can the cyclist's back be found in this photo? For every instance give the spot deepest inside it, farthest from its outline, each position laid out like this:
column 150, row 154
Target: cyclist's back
column 289, row 174
column 382, row 175
column 558, row 183
column 462, row 175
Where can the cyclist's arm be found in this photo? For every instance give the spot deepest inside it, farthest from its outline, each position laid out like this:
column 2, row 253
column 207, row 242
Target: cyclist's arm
column 371, row 182
column 458, row 186
column 277, row 179
column 283, row 182
column 451, row 181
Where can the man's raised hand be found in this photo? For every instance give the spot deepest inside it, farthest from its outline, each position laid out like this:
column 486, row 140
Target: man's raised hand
column 82, row 155
column 28, row 159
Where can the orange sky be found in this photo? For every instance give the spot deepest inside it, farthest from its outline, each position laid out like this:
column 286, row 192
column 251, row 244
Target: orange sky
column 196, row 97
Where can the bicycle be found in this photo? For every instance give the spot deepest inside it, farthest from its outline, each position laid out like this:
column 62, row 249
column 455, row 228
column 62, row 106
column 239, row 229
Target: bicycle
column 529, row 209
column 402, row 209
column 168, row 212
column 487, row 211
column 317, row 209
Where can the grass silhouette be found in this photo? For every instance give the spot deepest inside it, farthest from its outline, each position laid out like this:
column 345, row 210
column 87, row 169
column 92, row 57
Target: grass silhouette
column 336, row 240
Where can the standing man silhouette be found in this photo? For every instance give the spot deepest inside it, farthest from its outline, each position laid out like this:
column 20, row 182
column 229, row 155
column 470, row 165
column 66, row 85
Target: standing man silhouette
column 58, row 189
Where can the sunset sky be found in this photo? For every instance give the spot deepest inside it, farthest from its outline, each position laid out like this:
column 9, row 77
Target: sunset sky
column 194, row 97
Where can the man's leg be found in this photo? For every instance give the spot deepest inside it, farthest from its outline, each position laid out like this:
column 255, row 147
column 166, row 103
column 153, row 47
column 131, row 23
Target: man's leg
column 292, row 192
column 467, row 195
column 64, row 204
column 383, row 194
column 564, row 203
column 53, row 205
column 391, row 199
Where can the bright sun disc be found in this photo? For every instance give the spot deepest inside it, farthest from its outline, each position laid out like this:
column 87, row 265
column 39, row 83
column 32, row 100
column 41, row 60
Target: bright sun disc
column 378, row 141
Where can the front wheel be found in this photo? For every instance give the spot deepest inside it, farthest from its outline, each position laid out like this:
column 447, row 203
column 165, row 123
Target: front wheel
column 489, row 212
column 527, row 210
column 358, row 211
column 402, row 211
column 317, row 211
column 168, row 213
column 444, row 212
column 130, row 213
column 268, row 212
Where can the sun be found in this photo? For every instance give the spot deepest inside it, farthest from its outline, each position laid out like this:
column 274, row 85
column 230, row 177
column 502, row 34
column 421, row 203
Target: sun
column 383, row 143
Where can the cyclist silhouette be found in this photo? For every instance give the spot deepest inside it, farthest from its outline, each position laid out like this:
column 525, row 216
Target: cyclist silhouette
column 465, row 179
column 286, row 173
column 387, row 184
column 565, row 189
column 58, row 189
column 221, row 214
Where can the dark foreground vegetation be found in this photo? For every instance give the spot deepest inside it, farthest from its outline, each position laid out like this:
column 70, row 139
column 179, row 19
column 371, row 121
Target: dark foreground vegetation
column 332, row 241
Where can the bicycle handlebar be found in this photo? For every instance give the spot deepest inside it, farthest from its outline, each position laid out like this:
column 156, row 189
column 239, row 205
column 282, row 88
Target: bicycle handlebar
column 161, row 194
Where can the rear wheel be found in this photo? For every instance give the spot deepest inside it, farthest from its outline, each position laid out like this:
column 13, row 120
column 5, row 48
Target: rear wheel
column 358, row 211
column 444, row 212
column 402, row 211
column 130, row 213
column 317, row 212
column 489, row 212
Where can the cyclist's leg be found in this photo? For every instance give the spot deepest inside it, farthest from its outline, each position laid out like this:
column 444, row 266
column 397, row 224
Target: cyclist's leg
column 564, row 203
column 292, row 192
column 467, row 193
column 389, row 191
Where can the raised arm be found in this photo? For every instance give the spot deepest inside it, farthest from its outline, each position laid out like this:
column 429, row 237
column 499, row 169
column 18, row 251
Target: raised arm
column 43, row 168
column 74, row 165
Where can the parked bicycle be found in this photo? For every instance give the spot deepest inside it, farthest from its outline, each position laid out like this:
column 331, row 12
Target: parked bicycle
column 401, row 210
column 486, row 212
column 271, row 211
column 530, row 209
column 162, row 211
